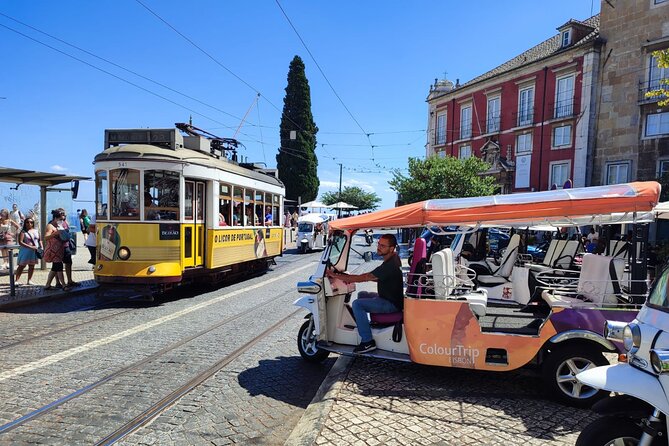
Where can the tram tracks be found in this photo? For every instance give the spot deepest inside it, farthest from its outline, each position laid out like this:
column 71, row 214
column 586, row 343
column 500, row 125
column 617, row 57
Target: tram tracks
column 165, row 402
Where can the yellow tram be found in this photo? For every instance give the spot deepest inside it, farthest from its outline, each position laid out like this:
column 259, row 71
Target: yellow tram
column 174, row 205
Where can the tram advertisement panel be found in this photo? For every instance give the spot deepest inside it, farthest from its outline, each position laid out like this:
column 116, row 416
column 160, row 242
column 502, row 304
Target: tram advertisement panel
column 239, row 245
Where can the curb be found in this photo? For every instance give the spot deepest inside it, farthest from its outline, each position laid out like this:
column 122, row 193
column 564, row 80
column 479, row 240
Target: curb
column 47, row 297
column 311, row 423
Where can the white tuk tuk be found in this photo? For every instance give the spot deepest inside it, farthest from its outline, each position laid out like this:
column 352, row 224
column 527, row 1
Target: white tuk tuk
column 312, row 230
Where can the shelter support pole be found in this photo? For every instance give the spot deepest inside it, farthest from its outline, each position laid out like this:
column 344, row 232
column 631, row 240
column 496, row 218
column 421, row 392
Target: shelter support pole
column 42, row 221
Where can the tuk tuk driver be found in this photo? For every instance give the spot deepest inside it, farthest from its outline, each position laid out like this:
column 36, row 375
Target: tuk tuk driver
column 390, row 287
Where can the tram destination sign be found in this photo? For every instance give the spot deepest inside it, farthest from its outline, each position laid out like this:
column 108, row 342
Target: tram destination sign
column 169, row 231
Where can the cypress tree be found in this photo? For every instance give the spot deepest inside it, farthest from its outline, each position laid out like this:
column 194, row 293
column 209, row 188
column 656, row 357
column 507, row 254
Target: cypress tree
column 296, row 160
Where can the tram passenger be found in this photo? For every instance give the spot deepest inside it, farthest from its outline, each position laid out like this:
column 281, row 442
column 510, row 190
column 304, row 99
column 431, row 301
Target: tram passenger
column 268, row 216
column 389, row 297
column 151, row 214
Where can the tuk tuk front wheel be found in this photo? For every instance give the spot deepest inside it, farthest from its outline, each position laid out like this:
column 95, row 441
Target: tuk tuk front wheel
column 611, row 430
column 559, row 372
column 306, row 343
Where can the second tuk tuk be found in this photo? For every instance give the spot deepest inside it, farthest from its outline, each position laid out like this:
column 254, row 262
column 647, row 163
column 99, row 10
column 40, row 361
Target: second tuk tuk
column 312, row 232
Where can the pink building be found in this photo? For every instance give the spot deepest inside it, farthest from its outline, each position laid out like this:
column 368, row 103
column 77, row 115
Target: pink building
column 532, row 118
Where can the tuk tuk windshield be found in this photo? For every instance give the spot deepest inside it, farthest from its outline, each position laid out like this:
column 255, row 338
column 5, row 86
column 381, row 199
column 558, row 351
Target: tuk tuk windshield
column 337, row 243
column 304, row 227
column 659, row 296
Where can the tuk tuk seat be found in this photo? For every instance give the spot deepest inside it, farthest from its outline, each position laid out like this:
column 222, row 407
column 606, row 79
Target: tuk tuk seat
column 503, row 273
column 598, row 283
column 386, row 318
column 414, row 288
column 560, row 254
column 446, row 281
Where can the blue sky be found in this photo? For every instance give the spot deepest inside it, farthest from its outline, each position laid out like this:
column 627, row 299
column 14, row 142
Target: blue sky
column 380, row 57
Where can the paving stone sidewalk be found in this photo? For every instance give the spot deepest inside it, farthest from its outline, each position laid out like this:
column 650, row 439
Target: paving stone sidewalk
column 82, row 273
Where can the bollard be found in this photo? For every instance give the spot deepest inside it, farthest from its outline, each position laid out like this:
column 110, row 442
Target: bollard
column 12, row 285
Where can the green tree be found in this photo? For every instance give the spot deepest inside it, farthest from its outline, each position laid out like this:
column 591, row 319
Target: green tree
column 662, row 92
column 296, row 160
column 437, row 177
column 354, row 196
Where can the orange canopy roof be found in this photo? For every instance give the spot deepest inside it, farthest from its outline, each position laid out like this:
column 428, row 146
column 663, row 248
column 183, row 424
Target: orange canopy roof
column 528, row 206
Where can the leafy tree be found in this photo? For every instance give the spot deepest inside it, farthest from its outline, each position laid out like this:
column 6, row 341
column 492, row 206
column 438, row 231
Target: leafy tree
column 296, row 160
column 354, row 196
column 437, row 177
column 662, row 92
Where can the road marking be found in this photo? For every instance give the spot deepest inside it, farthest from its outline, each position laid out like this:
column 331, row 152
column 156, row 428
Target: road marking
column 131, row 331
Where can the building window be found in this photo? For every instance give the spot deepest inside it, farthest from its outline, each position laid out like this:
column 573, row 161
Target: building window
column 657, row 124
column 440, row 136
column 564, row 97
column 657, row 2
column 656, row 74
column 663, row 168
column 524, row 143
column 466, row 122
column 617, row 173
column 566, row 38
column 442, row 154
column 560, row 171
column 562, row 136
column 526, row 106
column 465, row 152
column 494, row 106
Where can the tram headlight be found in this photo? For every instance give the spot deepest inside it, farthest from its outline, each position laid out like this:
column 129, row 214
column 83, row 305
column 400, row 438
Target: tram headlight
column 631, row 337
column 659, row 359
column 124, row 253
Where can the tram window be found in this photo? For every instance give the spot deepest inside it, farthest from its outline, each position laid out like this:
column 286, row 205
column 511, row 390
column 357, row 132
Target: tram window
column 188, row 200
column 161, row 192
column 276, row 215
column 124, row 193
column 200, row 201
column 101, row 194
column 225, row 205
column 238, row 206
column 260, row 207
column 249, row 214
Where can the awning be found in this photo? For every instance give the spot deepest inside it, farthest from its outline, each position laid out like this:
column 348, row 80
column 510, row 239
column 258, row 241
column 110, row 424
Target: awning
column 20, row 176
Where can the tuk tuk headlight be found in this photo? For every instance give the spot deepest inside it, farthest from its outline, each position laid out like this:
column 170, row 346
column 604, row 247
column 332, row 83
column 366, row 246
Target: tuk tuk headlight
column 631, row 337
column 659, row 359
column 613, row 330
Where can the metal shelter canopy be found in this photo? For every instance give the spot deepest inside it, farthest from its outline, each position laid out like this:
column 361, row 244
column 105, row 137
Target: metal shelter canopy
column 42, row 179
column 46, row 179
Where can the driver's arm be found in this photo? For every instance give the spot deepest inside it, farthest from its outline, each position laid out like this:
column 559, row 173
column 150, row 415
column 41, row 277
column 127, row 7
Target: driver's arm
column 351, row 278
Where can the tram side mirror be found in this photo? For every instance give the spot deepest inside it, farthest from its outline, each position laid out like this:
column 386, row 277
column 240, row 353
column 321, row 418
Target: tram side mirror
column 75, row 189
column 367, row 256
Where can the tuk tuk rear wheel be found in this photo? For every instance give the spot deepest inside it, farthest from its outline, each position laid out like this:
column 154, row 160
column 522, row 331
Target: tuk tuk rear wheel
column 559, row 372
column 306, row 343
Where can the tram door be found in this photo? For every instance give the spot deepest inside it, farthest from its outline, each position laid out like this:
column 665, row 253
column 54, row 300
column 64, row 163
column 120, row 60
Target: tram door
column 194, row 234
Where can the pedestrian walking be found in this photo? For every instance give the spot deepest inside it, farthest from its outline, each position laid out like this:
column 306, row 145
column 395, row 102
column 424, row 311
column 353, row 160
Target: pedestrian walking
column 69, row 247
column 7, row 226
column 54, row 251
column 84, row 222
column 30, row 250
column 16, row 216
column 90, row 243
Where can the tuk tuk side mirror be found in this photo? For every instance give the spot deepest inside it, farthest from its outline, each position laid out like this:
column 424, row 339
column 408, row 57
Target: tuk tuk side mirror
column 367, row 256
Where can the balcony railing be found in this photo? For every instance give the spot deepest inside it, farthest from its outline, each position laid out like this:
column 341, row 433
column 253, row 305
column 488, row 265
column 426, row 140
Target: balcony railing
column 492, row 124
column 646, row 86
column 465, row 131
column 563, row 109
column 524, row 117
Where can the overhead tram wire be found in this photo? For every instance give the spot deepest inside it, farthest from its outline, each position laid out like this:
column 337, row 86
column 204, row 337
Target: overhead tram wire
column 217, row 62
column 167, row 87
column 325, row 77
column 102, row 70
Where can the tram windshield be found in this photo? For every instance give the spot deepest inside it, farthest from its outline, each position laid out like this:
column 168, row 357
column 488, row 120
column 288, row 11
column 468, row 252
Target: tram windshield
column 124, row 193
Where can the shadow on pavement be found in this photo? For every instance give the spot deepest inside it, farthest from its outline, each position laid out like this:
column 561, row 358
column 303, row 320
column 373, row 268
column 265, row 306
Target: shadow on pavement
column 290, row 379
